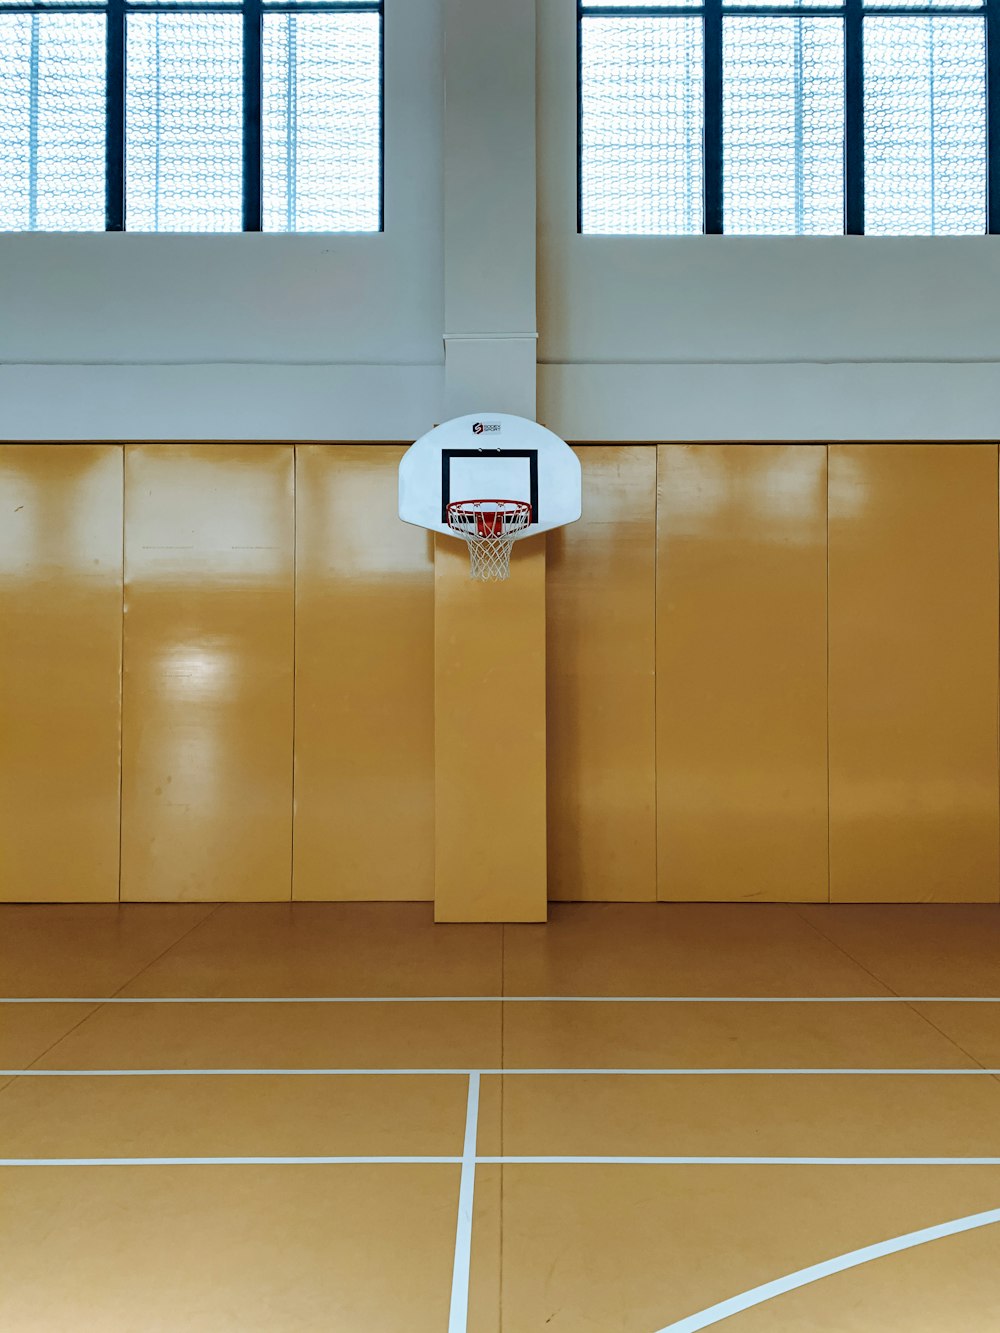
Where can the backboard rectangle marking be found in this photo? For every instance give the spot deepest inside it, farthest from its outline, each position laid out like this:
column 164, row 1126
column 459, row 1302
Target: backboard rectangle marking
column 448, row 454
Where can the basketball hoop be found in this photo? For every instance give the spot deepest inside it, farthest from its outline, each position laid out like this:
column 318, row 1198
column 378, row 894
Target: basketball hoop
column 490, row 528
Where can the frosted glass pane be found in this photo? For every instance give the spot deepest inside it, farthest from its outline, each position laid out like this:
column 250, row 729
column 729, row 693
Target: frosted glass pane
column 184, row 122
column 781, row 4
column 783, row 126
column 923, row 4
column 925, row 126
column 642, row 124
column 52, row 122
column 322, row 122
column 598, row 5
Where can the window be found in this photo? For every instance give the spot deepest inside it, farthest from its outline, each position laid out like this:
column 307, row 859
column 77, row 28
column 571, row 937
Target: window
column 185, row 115
column 786, row 117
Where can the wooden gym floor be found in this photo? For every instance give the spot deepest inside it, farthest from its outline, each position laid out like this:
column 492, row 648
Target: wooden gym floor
column 419, row 1148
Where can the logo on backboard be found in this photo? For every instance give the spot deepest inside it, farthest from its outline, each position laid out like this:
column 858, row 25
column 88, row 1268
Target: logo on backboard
column 486, row 427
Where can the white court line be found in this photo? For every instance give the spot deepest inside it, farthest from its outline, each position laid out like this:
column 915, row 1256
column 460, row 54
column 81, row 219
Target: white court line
column 470, row 1161
column 715, row 1314
column 458, row 1318
column 216, row 1073
column 698, row 1072
column 230, row 1161
column 503, row 999
column 738, row 1161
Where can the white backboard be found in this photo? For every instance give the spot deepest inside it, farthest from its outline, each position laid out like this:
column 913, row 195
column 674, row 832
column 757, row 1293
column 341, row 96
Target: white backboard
column 489, row 456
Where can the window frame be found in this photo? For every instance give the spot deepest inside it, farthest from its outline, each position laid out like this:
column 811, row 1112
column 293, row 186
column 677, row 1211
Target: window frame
column 252, row 13
column 853, row 13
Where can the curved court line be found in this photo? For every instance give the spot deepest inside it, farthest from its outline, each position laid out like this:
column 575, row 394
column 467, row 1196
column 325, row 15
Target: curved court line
column 715, row 1314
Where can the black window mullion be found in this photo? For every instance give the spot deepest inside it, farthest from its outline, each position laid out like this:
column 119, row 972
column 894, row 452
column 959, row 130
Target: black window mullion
column 993, row 116
column 854, row 93
column 713, row 117
column 381, row 120
column 252, row 108
column 579, row 116
column 114, row 141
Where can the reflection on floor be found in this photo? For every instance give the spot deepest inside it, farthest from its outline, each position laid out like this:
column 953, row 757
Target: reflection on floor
column 341, row 1117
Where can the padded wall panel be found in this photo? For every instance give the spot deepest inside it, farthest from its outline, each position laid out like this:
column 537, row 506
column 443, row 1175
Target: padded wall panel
column 60, row 671
column 913, row 673
column 489, row 737
column 208, row 686
column 601, row 598
column 741, row 672
column 364, row 681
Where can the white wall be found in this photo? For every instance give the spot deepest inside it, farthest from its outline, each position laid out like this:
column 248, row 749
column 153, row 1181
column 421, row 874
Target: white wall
column 732, row 338
column 246, row 336
column 341, row 337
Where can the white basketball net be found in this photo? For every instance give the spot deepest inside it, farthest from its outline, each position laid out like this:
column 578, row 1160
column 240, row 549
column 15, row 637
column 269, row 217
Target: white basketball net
column 490, row 529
